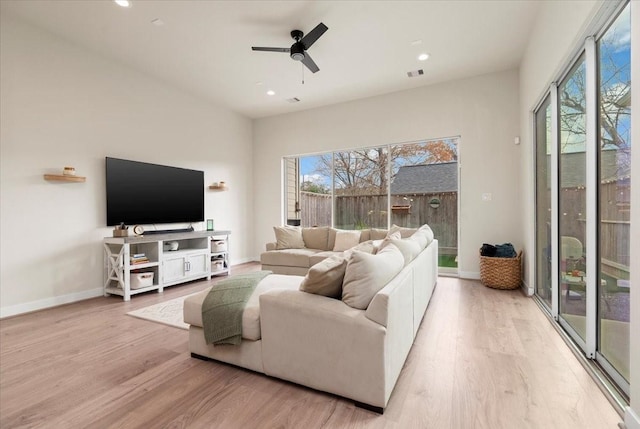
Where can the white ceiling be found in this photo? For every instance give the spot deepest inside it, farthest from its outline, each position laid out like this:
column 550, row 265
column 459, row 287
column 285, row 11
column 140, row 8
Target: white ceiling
column 204, row 47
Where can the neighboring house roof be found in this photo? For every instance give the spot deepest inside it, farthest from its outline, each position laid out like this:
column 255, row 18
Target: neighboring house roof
column 612, row 163
column 426, row 179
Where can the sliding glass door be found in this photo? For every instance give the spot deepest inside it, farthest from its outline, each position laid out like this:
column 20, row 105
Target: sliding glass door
column 572, row 180
column 614, row 100
column 583, row 187
column 543, row 202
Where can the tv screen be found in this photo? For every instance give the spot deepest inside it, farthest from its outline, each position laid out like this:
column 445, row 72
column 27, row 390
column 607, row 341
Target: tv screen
column 142, row 193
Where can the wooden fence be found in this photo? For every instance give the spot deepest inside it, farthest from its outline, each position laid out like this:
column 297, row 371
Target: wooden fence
column 371, row 211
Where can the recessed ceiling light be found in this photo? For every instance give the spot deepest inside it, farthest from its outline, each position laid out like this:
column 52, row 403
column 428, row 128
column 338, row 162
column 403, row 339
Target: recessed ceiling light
column 423, row 57
column 271, row 92
column 123, row 3
column 417, row 42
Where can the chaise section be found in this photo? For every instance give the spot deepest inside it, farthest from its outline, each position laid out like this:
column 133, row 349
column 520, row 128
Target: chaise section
column 323, row 343
column 249, row 353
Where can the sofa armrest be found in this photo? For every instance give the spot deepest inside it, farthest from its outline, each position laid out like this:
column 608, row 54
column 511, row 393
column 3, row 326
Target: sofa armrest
column 322, row 343
column 271, row 246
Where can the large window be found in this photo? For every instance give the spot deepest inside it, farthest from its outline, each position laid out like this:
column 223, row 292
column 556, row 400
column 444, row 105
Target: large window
column 407, row 185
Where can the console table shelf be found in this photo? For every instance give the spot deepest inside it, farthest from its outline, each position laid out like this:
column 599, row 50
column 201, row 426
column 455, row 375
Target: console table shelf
column 192, row 260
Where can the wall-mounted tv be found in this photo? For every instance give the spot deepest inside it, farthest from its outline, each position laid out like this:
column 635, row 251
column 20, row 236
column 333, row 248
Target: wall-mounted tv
column 143, row 193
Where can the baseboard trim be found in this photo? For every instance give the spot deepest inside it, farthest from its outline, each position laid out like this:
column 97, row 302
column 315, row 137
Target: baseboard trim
column 470, row 275
column 244, row 260
column 27, row 307
column 526, row 289
column 631, row 419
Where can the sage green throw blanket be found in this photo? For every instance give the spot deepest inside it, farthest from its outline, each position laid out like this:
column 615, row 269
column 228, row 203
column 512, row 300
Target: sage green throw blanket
column 223, row 307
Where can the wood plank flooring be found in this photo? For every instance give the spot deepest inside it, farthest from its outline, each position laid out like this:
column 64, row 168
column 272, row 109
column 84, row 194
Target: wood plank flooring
column 482, row 358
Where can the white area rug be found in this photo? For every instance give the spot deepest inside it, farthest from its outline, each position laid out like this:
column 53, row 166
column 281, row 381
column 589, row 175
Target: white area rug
column 167, row 313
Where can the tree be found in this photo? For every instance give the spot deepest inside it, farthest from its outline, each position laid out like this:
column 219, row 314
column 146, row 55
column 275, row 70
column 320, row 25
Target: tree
column 366, row 171
column 614, row 97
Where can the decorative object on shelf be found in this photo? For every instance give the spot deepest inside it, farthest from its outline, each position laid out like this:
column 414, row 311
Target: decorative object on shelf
column 69, row 171
column 209, row 224
column 121, row 230
column 138, row 230
column 170, row 246
column 218, row 186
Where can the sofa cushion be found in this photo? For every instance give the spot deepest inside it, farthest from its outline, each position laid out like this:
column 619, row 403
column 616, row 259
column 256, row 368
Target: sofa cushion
column 377, row 234
column 288, row 237
column 192, row 310
column 404, row 232
column 345, row 240
column 325, row 278
column 408, row 247
column 316, row 238
column 288, row 257
column 366, row 274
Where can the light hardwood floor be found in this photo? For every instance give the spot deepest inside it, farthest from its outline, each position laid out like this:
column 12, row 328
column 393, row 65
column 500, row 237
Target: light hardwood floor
column 482, row 358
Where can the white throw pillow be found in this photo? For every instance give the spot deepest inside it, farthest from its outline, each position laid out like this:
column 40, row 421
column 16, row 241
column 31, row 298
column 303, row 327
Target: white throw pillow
column 345, row 240
column 366, row 274
column 408, row 247
column 288, row 237
column 420, row 237
column 325, row 277
column 428, row 231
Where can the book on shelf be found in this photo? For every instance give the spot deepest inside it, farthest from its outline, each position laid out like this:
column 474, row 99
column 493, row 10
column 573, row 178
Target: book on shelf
column 138, row 255
column 143, row 260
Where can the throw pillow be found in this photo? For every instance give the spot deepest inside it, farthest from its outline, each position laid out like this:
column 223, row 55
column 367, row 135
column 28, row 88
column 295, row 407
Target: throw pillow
column 345, row 240
column 366, row 246
column 366, row 274
column 409, row 248
column 288, row 237
column 404, row 232
column 316, row 238
column 325, row 277
column 393, row 235
column 420, row 237
column 428, row 231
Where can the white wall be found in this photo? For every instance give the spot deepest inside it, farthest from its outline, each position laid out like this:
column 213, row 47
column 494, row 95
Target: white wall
column 63, row 105
column 482, row 110
column 559, row 28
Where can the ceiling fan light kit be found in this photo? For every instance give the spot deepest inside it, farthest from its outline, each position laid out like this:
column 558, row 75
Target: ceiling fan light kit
column 298, row 51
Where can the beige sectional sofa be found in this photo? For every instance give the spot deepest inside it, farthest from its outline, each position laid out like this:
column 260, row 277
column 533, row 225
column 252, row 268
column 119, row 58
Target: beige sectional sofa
column 318, row 244
column 326, row 343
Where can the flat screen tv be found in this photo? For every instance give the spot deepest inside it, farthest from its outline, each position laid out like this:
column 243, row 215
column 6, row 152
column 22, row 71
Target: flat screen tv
column 143, row 193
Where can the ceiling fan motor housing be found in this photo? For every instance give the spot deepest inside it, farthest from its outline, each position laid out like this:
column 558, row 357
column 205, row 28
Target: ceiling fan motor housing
column 297, row 51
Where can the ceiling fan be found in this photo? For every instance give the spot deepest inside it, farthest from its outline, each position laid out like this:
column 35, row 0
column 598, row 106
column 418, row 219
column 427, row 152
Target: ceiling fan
column 298, row 51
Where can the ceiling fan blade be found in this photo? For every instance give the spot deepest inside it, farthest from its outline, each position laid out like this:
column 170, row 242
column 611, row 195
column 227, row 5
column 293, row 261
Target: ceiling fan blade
column 311, row 65
column 258, row 48
column 314, row 35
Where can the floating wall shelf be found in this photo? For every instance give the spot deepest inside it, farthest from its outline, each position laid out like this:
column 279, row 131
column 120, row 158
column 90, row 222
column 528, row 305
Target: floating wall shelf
column 218, row 188
column 63, row 178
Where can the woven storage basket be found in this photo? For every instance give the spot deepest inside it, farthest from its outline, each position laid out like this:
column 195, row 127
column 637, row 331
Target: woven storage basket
column 501, row 273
